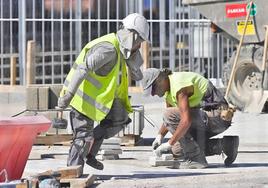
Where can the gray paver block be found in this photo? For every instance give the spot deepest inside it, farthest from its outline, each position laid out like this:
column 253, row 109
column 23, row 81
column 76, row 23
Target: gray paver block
column 107, row 157
column 112, row 140
column 166, row 157
column 158, row 161
column 110, row 152
column 110, row 147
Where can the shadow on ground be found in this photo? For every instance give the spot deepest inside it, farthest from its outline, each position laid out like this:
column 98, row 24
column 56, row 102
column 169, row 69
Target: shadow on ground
column 151, row 174
column 146, row 175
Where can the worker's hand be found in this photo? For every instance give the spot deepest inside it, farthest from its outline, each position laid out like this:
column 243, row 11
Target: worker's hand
column 64, row 101
column 157, row 141
column 163, row 148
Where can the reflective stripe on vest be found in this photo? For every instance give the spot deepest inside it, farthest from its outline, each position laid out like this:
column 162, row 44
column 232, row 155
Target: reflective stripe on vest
column 92, row 80
column 89, row 99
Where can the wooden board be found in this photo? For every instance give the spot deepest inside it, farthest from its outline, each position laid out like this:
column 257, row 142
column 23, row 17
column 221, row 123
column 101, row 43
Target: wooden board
column 71, row 172
column 65, row 172
column 84, row 181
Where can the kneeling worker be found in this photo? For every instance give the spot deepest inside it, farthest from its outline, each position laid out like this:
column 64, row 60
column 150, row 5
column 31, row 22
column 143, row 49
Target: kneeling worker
column 196, row 111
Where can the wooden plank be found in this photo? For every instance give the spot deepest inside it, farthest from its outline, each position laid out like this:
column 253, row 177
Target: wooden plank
column 30, row 63
column 145, row 54
column 135, row 89
column 81, row 182
column 13, row 70
column 21, row 185
column 70, row 172
column 65, row 172
column 130, row 140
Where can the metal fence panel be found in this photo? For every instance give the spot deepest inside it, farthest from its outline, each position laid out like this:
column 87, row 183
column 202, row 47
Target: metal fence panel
column 180, row 39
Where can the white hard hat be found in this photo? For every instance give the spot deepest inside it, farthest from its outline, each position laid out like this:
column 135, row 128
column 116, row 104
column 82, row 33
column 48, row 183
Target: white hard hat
column 138, row 23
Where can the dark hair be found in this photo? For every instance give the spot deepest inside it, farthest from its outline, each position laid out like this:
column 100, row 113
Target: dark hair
column 165, row 72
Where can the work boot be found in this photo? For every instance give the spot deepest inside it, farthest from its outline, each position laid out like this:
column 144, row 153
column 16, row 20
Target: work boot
column 230, row 148
column 93, row 162
column 194, row 155
column 213, row 146
column 198, row 162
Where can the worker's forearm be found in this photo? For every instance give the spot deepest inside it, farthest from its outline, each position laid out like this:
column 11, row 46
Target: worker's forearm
column 163, row 130
column 78, row 76
column 180, row 132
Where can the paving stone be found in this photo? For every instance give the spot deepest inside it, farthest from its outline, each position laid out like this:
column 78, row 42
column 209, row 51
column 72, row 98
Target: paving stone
column 110, row 152
column 107, row 157
column 112, row 140
column 110, row 147
column 156, row 161
column 166, row 157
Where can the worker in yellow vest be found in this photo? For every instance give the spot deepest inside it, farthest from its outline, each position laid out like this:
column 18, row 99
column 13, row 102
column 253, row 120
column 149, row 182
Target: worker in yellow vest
column 196, row 111
column 96, row 88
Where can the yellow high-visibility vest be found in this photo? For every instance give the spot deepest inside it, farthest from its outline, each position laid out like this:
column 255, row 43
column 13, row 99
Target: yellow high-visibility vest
column 95, row 95
column 179, row 80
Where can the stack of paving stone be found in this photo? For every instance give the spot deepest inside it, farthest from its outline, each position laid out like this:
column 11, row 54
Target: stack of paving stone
column 110, row 149
column 164, row 160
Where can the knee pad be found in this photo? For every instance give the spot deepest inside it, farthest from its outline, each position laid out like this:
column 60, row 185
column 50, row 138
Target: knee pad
column 81, row 147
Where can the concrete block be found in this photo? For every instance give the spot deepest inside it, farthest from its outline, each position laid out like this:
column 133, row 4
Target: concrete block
column 110, row 152
column 110, row 147
column 43, row 99
column 158, row 161
column 37, row 98
column 12, row 94
column 31, row 98
column 54, row 92
column 107, row 157
column 113, row 140
column 167, row 157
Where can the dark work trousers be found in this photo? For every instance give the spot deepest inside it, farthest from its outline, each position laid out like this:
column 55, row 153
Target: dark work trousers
column 204, row 124
column 87, row 139
column 203, row 127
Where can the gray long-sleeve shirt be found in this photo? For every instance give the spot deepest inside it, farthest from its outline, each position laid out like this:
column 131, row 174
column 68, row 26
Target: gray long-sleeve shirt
column 101, row 59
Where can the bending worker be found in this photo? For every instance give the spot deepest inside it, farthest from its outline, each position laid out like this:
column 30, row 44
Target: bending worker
column 190, row 125
column 96, row 88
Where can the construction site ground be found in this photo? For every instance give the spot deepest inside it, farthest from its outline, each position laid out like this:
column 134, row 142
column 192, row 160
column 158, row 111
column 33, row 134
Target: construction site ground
column 132, row 169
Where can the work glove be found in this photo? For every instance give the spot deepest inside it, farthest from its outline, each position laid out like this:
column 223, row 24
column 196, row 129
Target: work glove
column 64, row 101
column 157, row 141
column 163, row 148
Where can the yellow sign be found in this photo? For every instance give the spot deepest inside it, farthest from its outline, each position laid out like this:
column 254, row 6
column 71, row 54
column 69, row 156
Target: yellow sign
column 250, row 28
